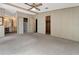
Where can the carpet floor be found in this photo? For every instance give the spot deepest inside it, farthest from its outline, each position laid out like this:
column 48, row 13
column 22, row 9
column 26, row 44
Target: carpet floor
column 37, row 44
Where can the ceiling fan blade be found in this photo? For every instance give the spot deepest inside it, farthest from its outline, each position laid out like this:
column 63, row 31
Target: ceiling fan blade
column 40, row 4
column 28, row 4
column 30, row 8
column 37, row 9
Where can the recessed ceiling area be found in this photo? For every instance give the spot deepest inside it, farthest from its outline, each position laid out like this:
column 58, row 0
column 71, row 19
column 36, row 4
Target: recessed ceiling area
column 13, row 7
column 54, row 6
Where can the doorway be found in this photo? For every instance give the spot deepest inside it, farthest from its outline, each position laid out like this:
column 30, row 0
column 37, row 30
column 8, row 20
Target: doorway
column 36, row 25
column 10, row 26
column 25, row 24
column 48, row 25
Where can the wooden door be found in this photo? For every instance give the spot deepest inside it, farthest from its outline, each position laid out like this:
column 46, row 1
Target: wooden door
column 48, row 27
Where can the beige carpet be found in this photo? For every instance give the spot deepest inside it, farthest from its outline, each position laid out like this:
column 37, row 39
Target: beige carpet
column 37, row 44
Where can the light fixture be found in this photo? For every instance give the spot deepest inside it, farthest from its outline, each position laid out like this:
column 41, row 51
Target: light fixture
column 46, row 7
column 5, row 19
column 33, row 9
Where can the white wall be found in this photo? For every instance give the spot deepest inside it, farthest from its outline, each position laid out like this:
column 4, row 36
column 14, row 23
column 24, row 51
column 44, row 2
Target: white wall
column 20, row 25
column 1, row 31
column 41, row 24
column 64, row 23
column 31, row 24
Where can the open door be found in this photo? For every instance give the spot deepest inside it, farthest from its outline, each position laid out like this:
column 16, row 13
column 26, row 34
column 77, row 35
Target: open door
column 25, row 22
column 48, row 26
column 36, row 25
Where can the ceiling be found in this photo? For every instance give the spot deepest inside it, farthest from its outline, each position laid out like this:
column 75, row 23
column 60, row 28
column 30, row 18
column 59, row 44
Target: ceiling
column 13, row 7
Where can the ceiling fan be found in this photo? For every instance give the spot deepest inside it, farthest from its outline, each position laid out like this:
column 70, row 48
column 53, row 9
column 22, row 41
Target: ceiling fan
column 34, row 6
